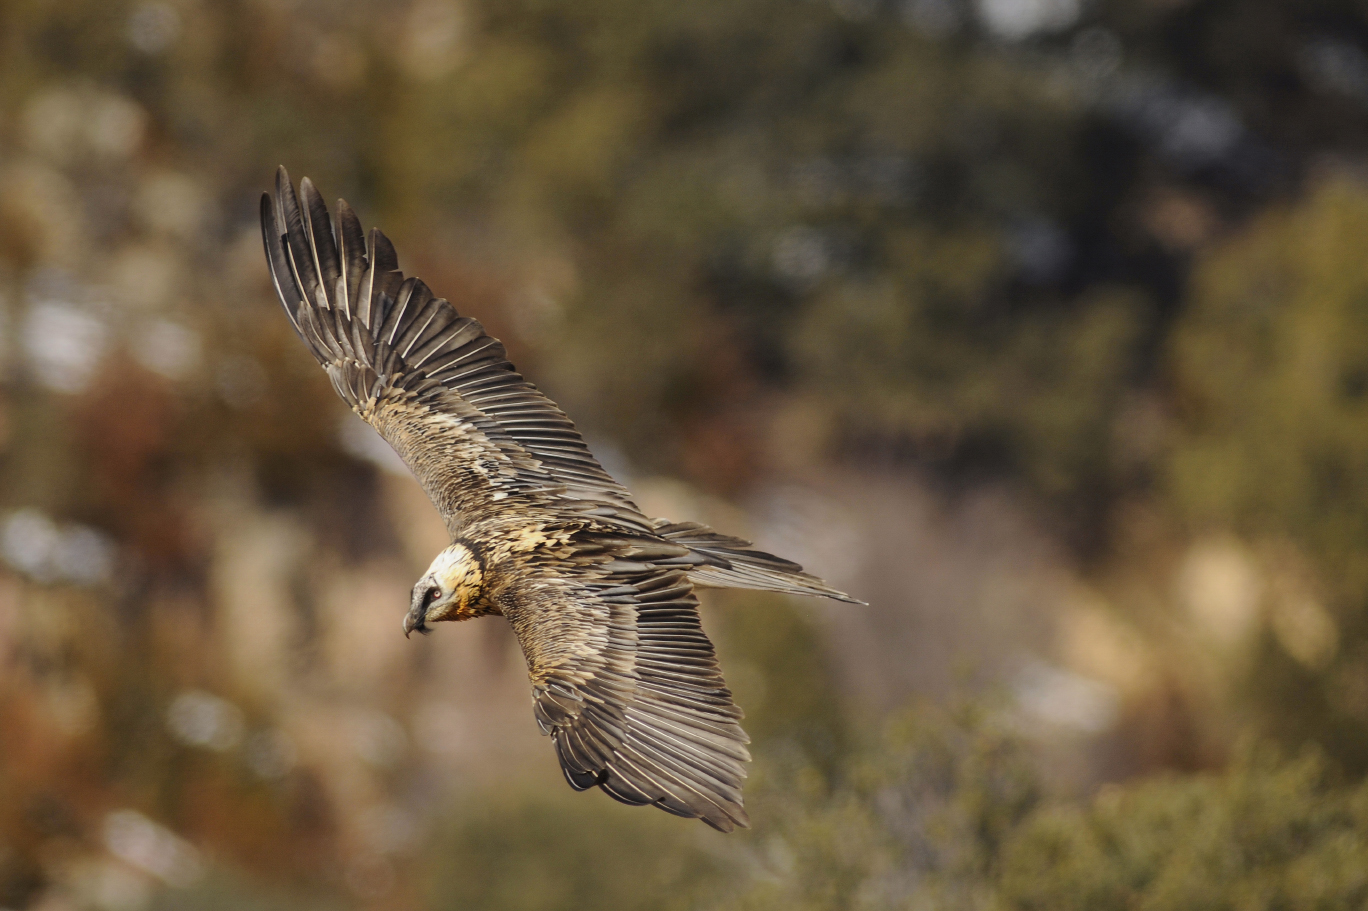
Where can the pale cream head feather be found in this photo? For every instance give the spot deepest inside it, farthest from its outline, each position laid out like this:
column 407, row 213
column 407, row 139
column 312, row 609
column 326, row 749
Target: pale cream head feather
column 449, row 589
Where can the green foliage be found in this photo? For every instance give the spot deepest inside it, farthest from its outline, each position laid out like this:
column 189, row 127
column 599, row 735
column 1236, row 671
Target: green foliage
column 559, row 851
column 920, row 813
column 768, row 195
column 946, row 812
column 1270, row 366
column 1272, row 440
column 1262, row 835
column 223, row 891
column 776, row 666
column 943, row 811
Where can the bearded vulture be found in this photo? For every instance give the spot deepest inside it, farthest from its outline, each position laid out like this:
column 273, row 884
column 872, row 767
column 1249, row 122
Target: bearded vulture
column 600, row 596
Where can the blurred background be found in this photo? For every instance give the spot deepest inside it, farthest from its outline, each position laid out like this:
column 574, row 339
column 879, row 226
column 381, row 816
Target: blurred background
column 1041, row 325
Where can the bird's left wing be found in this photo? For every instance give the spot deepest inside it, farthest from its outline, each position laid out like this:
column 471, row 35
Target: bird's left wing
column 627, row 685
column 438, row 388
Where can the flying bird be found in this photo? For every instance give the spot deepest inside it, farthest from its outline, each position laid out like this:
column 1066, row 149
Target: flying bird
column 600, row 596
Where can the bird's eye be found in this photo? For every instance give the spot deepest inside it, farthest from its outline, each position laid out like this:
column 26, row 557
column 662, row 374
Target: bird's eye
column 432, row 595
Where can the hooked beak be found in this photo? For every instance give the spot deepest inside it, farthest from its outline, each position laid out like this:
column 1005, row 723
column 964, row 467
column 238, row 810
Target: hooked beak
column 416, row 619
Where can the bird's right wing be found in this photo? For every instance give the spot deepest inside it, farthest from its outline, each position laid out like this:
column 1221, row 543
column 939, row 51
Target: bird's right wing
column 627, row 685
column 439, row 389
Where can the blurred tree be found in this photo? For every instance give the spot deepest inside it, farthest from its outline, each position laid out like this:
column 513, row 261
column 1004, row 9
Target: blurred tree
column 1269, row 368
column 522, row 853
column 1265, row 834
column 946, row 811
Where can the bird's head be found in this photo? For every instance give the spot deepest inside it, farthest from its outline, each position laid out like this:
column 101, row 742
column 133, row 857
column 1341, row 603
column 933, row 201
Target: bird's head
column 449, row 590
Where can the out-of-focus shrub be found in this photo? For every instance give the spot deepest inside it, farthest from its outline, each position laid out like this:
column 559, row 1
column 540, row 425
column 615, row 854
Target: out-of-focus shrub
column 557, row 851
column 920, row 813
column 946, row 811
column 1264, row 834
column 1270, row 368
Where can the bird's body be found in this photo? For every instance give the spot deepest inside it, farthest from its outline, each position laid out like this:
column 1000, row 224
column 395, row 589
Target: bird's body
column 600, row 596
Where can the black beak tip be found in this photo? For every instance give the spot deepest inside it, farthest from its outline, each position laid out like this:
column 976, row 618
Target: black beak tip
column 419, row 625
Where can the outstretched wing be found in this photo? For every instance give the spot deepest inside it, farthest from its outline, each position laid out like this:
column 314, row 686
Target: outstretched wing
column 438, row 388
column 627, row 685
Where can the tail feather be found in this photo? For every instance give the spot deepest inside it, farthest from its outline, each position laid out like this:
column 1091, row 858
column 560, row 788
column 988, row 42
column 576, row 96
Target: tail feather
column 734, row 563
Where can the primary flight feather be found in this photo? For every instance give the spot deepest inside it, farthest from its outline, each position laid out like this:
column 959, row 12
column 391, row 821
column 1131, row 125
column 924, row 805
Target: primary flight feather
column 600, row 597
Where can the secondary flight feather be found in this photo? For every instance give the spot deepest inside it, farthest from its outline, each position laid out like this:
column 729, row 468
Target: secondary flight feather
column 600, row 596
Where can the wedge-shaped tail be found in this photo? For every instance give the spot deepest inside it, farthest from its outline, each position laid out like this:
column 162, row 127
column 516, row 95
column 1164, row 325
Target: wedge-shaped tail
column 735, row 563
